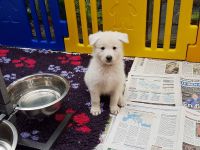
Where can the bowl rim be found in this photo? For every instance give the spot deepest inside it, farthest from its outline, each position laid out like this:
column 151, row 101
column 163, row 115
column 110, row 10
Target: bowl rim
column 10, row 86
column 14, row 132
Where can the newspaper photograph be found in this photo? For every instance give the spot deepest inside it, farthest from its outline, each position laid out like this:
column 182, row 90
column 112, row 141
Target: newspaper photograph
column 187, row 146
column 145, row 127
column 191, row 136
column 190, row 88
column 151, row 89
column 190, row 69
column 155, row 66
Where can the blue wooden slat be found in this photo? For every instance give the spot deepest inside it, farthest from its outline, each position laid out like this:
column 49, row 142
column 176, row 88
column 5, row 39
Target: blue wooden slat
column 57, row 23
column 54, row 10
column 45, row 19
column 63, row 28
column 35, row 20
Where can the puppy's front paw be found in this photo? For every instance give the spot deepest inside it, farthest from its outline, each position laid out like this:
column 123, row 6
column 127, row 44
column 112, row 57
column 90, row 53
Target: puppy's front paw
column 121, row 103
column 114, row 109
column 95, row 111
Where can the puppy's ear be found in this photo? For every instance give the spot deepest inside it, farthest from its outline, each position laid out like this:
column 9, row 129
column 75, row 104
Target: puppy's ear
column 93, row 38
column 123, row 37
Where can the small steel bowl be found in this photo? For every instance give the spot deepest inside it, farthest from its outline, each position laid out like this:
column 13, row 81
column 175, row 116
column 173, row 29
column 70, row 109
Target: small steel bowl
column 38, row 95
column 8, row 136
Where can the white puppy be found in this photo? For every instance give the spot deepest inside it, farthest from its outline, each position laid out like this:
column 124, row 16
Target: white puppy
column 105, row 74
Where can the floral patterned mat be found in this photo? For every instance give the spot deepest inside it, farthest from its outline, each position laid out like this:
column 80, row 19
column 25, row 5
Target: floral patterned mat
column 82, row 133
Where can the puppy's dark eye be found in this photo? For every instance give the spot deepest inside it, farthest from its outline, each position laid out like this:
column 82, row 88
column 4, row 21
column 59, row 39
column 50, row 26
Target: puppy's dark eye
column 114, row 48
column 102, row 48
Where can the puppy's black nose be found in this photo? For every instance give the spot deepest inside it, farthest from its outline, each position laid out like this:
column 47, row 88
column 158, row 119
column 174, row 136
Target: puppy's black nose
column 109, row 58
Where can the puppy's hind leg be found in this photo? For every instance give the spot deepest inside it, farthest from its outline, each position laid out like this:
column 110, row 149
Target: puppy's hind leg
column 95, row 103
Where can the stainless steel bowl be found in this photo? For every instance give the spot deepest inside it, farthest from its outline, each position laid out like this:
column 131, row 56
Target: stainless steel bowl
column 8, row 136
column 38, row 95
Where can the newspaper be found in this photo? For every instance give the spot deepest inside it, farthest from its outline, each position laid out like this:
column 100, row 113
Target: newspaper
column 163, row 90
column 155, row 66
column 191, row 136
column 182, row 76
column 191, row 92
column 142, row 124
column 190, row 69
column 165, row 67
column 147, row 127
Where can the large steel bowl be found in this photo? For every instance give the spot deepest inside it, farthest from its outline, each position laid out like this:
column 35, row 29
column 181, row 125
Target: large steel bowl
column 38, row 95
column 8, row 136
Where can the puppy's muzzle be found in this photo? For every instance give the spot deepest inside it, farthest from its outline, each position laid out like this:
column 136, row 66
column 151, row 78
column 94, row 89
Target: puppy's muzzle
column 108, row 58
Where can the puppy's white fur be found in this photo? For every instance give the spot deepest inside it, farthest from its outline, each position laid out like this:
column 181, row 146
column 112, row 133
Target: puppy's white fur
column 103, row 76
